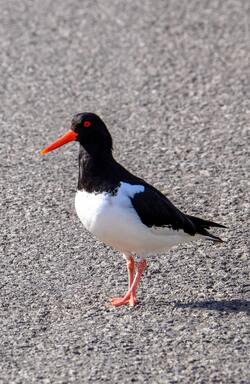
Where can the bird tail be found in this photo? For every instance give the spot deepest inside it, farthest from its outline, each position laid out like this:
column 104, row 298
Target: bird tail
column 202, row 226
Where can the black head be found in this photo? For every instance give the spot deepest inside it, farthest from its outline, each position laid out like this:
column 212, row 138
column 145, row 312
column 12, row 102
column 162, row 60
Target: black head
column 90, row 131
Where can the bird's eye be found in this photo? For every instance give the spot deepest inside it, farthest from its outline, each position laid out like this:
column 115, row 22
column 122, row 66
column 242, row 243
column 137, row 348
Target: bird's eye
column 87, row 124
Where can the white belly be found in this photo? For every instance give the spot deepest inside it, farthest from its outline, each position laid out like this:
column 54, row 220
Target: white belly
column 113, row 220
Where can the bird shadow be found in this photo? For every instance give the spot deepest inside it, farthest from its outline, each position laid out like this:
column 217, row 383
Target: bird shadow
column 235, row 305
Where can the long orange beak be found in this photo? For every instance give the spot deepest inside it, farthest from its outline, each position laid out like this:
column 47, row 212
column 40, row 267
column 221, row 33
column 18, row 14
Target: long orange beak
column 69, row 136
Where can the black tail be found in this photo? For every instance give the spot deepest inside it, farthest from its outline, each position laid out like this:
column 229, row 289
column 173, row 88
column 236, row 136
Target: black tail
column 201, row 226
column 205, row 223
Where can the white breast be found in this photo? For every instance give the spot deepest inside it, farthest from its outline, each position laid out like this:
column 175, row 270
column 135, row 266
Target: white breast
column 109, row 217
column 113, row 220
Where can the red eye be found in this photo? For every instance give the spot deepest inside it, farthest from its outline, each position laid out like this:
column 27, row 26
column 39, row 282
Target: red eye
column 87, row 124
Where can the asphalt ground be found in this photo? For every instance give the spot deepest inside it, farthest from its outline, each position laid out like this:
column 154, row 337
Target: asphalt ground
column 171, row 80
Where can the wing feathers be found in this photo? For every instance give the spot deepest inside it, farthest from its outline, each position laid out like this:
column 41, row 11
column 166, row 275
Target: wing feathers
column 154, row 209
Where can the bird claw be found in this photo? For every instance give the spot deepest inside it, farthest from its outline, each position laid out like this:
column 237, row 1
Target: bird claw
column 118, row 301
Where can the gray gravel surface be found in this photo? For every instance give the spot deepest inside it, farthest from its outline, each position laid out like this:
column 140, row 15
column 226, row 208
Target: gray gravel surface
column 171, row 80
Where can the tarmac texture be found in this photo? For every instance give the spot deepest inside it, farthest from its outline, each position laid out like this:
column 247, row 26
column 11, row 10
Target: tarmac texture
column 171, row 80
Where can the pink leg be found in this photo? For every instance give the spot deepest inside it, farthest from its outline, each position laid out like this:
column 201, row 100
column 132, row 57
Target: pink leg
column 131, row 270
column 130, row 295
column 131, row 276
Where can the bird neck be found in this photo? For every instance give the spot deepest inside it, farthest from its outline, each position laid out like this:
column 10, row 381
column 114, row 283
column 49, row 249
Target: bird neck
column 96, row 170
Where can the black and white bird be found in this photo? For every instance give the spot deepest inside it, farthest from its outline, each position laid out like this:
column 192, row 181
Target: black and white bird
column 121, row 209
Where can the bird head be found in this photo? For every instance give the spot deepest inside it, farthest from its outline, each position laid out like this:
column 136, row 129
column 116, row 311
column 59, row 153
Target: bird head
column 89, row 130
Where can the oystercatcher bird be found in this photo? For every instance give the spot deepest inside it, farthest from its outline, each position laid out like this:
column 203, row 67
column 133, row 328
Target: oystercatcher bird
column 121, row 209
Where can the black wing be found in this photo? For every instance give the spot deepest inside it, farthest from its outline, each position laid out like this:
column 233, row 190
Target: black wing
column 154, row 209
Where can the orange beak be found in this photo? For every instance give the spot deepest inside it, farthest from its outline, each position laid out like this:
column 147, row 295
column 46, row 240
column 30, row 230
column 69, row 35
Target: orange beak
column 69, row 136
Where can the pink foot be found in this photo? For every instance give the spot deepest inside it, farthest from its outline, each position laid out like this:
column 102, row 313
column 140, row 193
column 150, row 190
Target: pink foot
column 118, row 301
